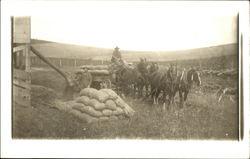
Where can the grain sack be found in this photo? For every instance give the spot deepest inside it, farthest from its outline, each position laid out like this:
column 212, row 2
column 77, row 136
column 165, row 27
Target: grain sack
column 104, row 118
column 95, row 67
column 110, row 104
column 89, row 92
column 93, row 102
column 99, row 106
column 88, row 110
column 78, row 106
column 99, row 72
column 127, row 109
column 101, row 96
column 112, row 95
column 83, row 99
column 120, row 103
column 83, row 116
column 113, row 117
column 93, row 93
column 118, row 111
column 120, row 117
column 107, row 112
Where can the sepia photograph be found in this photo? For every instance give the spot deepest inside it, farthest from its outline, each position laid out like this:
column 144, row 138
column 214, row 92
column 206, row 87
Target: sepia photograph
column 117, row 70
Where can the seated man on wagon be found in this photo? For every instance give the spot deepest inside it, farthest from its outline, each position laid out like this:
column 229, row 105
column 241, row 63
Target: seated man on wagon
column 117, row 63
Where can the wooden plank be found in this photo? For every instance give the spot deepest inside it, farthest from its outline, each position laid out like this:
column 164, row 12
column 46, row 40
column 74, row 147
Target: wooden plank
column 20, row 74
column 27, row 57
column 21, row 30
column 22, row 84
column 18, row 48
column 21, row 96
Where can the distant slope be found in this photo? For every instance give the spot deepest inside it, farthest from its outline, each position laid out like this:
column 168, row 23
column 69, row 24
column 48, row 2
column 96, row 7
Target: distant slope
column 53, row 49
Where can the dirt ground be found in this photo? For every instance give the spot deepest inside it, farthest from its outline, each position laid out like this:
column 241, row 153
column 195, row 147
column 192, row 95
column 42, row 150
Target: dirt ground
column 201, row 118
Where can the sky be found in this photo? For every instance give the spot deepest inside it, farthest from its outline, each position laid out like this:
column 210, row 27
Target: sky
column 144, row 26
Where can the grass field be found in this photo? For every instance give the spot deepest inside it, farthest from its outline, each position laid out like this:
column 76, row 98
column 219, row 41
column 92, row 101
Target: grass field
column 201, row 118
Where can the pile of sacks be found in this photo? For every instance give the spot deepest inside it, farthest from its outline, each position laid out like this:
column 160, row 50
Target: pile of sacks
column 97, row 105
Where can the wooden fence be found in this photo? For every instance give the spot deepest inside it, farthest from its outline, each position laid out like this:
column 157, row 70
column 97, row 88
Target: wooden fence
column 66, row 62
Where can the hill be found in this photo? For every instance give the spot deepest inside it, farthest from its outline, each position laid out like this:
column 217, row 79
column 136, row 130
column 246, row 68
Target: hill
column 60, row 50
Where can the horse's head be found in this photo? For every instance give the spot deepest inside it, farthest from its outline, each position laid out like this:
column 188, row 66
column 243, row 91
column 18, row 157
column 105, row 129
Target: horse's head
column 153, row 67
column 194, row 75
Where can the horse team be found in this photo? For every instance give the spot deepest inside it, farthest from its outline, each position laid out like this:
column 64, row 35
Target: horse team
column 160, row 83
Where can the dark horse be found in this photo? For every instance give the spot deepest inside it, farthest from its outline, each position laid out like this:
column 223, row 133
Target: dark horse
column 184, row 83
column 163, row 81
column 131, row 78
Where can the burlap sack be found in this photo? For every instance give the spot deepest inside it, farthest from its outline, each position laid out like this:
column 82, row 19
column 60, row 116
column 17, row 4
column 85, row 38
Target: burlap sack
column 104, row 118
column 120, row 117
column 99, row 72
column 99, row 106
column 126, row 108
column 89, row 92
column 83, row 116
column 112, row 95
column 113, row 117
column 83, row 99
column 93, row 93
column 78, row 106
column 110, row 104
column 120, row 103
column 107, row 112
column 118, row 111
column 101, row 96
column 93, row 102
column 88, row 110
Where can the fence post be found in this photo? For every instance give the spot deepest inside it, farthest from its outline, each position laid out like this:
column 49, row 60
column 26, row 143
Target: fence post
column 75, row 63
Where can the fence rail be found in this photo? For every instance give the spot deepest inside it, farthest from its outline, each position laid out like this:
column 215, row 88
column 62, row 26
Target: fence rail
column 66, row 62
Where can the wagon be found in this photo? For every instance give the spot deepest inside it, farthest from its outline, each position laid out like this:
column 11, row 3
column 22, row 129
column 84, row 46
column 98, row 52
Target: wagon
column 101, row 76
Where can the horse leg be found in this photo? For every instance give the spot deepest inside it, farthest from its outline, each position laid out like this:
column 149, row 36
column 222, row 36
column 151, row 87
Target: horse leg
column 157, row 96
column 169, row 100
column 134, row 92
column 164, row 100
column 154, row 99
column 181, row 99
column 146, row 87
column 185, row 96
column 153, row 95
column 141, row 91
column 173, row 95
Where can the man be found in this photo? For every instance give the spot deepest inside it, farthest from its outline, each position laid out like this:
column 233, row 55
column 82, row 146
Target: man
column 117, row 64
column 83, row 79
column 116, row 57
column 142, row 67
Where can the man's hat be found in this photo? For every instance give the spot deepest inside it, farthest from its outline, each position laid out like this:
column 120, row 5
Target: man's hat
column 116, row 48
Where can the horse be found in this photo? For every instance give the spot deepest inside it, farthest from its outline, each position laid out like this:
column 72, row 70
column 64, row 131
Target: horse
column 163, row 81
column 143, row 68
column 184, row 83
column 131, row 77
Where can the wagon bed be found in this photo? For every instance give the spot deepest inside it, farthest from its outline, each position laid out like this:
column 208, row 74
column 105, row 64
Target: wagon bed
column 101, row 76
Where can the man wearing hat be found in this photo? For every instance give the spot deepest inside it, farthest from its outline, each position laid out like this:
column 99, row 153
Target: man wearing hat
column 83, row 79
column 116, row 57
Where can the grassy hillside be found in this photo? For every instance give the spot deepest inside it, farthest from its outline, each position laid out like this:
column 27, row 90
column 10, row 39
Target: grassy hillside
column 53, row 49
